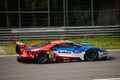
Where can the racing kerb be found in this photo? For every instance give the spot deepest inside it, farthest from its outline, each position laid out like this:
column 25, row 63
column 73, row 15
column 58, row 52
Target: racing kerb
column 59, row 32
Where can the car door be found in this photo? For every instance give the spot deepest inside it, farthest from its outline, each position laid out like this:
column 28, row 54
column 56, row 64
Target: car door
column 63, row 49
column 69, row 50
column 66, row 49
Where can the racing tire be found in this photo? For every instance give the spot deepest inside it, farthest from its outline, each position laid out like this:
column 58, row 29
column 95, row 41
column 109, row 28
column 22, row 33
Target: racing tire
column 18, row 49
column 91, row 55
column 41, row 57
column 19, row 59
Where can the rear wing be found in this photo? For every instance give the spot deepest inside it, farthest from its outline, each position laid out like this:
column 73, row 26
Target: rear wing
column 19, row 43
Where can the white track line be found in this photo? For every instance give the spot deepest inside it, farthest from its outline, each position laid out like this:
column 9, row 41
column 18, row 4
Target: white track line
column 7, row 55
column 108, row 79
column 113, row 50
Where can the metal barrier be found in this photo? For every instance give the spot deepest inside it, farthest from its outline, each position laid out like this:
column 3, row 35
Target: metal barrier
column 59, row 32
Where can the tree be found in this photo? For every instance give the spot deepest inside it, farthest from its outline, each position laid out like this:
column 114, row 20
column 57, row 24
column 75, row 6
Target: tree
column 36, row 5
column 117, row 12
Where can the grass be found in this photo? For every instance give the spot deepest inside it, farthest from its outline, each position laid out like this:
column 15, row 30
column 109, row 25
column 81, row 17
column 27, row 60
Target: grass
column 101, row 42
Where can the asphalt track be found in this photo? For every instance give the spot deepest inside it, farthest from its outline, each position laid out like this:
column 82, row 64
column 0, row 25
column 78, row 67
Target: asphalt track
column 10, row 69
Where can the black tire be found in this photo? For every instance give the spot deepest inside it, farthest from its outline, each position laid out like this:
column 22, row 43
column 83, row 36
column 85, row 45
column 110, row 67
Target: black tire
column 91, row 55
column 18, row 49
column 19, row 59
column 41, row 57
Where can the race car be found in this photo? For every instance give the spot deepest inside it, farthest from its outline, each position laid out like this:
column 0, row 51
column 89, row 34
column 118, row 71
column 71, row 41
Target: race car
column 59, row 50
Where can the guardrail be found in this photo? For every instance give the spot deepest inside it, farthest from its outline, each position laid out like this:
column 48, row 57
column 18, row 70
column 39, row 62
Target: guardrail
column 59, row 32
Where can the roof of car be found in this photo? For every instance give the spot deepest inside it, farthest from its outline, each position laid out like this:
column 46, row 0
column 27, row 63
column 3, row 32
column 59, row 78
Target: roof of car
column 60, row 41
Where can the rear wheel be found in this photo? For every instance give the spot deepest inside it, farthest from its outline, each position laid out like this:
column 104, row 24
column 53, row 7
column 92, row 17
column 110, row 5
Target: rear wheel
column 19, row 59
column 41, row 57
column 91, row 55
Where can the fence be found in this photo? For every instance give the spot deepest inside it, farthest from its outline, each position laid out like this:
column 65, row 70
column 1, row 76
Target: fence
column 52, row 13
column 59, row 32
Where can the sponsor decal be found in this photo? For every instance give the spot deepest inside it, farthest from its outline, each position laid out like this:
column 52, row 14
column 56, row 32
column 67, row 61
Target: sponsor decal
column 76, row 52
column 51, row 56
column 64, row 51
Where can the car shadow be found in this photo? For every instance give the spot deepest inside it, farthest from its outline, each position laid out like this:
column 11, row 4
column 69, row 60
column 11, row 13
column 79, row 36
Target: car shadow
column 109, row 59
column 75, row 61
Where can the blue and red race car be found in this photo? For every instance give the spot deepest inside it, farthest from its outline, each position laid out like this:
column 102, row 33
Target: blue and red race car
column 60, row 50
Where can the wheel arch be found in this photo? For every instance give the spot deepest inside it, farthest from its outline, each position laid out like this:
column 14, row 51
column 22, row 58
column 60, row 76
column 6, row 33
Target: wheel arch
column 39, row 52
column 89, row 50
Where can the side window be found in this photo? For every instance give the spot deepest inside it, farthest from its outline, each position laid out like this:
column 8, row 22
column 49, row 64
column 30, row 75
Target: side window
column 54, row 48
column 67, row 46
column 63, row 46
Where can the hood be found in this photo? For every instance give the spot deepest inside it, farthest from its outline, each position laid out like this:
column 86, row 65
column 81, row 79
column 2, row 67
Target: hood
column 87, row 46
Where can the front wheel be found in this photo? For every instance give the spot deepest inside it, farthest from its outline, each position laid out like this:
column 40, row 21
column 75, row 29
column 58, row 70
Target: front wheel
column 41, row 57
column 91, row 55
